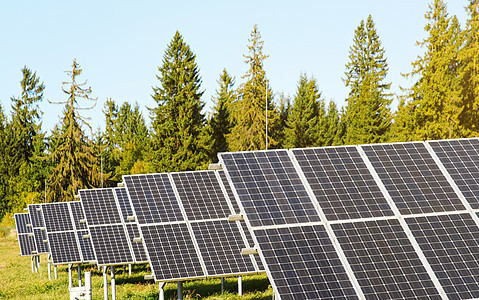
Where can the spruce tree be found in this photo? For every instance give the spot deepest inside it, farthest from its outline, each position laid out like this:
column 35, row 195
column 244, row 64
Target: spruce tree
column 469, row 72
column 307, row 115
column 4, row 164
column 221, row 121
column 368, row 116
column 331, row 128
column 284, row 114
column 72, row 154
column 433, row 105
column 249, row 110
column 178, row 121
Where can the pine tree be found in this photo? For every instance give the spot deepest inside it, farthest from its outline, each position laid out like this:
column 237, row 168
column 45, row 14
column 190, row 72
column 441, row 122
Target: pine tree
column 331, row 128
column 433, row 106
column 469, row 72
column 307, row 115
column 72, row 155
column 110, row 156
column 368, row 116
column 4, row 165
column 221, row 121
column 178, row 121
column 249, row 110
column 284, row 115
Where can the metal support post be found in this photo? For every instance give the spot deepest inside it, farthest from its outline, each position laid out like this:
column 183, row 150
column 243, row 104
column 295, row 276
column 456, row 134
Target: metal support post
column 180, row 290
column 88, row 285
column 240, row 285
column 49, row 269
column 79, row 274
column 70, row 284
column 129, row 269
column 222, row 284
column 105, row 284
column 38, row 262
column 162, row 291
column 113, row 286
column 124, row 268
column 55, row 271
column 33, row 265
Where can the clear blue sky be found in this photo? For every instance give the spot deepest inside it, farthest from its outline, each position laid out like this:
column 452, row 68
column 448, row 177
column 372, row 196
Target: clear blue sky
column 120, row 44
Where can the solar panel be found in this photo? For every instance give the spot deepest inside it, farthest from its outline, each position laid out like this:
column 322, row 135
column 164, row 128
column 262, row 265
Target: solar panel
column 342, row 183
column 251, row 244
column 172, row 252
column 269, row 188
column 131, row 226
column 21, row 222
column 25, row 234
column 303, row 263
column 111, row 245
column 100, row 206
column 78, row 216
column 414, row 181
column 61, row 234
column 220, row 245
column 451, row 245
column 38, row 226
column 201, row 195
column 384, row 260
column 461, row 160
column 153, row 198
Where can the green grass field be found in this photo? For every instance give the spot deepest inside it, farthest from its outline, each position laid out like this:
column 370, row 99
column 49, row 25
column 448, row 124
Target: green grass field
column 18, row 282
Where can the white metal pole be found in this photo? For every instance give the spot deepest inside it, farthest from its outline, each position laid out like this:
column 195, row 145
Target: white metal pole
column 266, row 116
column 33, row 265
column 240, row 285
column 88, row 285
column 162, row 290
column 180, row 290
column 101, row 159
column 70, row 284
column 222, row 284
column 113, row 286
column 105, row 284
column 38, row 259
column 79, row 274
column 49, row 269
column 129, row 269
column 55, row 271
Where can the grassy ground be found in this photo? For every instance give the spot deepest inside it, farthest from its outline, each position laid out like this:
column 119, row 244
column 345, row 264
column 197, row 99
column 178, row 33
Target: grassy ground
column 18, row 282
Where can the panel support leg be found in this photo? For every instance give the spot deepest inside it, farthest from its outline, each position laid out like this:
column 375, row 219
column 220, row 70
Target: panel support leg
column 240, row 285
column 88, row 285
column 79, row 274
column 129, row 269
column 49, row 269
column 113, row 285
column 105, row 284
column 180, row 290
column 222, row 284
column 162, row 291
column 70, row 284
column 55, row 271
column 33, row 265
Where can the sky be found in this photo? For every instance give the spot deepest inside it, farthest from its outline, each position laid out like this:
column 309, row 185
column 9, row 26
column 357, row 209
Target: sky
column 120, row 44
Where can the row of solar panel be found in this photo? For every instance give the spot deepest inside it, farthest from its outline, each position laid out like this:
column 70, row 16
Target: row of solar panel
column 385, row 221
column 200, row 243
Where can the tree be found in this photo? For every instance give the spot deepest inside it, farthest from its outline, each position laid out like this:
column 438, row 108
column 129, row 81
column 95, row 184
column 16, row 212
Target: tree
column 367, row 116
column 4, row 164
column 221, row 121
column 249, row 131
column 468, row 57
column 307, row 115
column 331, row 128
column 72, row 155
column 178, row 121
column 433, row 106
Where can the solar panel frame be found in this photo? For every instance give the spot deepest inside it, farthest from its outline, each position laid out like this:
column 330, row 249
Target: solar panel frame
column 38, row 228
column 106, row 230
column 26, row 241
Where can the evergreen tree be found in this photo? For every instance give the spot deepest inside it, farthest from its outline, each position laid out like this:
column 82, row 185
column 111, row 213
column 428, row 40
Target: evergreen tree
column 285, row 113
column 4, row 164
column 72, row 155
column 433, row 106
column 307, row 115
column 221, row 121
column 469, row 72
column 331, row 128
column 110, row 156
column 368, row 116
column 249, row 110
column 178, row 121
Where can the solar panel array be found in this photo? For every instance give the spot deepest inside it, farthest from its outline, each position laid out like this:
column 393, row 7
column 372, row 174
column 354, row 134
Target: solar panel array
column 107, row 232
column 183, row 220
column 26, row 240
column 38, row 227
column 385, row 221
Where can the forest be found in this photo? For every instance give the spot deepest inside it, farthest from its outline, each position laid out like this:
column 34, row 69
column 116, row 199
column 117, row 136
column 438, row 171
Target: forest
column 442, row 102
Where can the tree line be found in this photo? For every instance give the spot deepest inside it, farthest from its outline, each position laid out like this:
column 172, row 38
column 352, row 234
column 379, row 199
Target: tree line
column 442, row 103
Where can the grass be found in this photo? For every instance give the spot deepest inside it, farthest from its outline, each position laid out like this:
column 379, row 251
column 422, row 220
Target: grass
column 18, row 282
